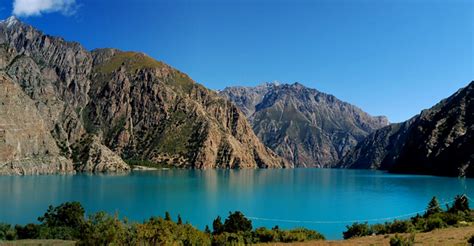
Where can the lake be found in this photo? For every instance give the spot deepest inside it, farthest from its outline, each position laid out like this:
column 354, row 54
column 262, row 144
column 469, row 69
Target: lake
column 320, row 199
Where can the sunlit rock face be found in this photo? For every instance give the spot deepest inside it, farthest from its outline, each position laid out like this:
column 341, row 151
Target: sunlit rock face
column 307, row 127
column 102, row 107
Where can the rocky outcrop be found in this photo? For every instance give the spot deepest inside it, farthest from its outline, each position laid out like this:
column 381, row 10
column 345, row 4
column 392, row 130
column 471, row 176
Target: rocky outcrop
column 97, row 158
column 132, row 107
column 439, row 141
column 26, row 145
column 303, row 125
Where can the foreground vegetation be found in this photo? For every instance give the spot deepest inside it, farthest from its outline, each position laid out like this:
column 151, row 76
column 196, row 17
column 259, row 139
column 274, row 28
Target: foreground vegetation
column 68, row 222
column 459, row 214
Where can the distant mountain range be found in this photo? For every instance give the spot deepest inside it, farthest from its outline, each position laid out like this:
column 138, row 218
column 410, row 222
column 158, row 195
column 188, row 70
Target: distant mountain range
column 64, row 109
column 307, row 127
column 439, row 141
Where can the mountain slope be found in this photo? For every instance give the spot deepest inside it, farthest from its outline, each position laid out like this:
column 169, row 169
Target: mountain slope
column 303, row 125
column 107, row 105
column 438, row 141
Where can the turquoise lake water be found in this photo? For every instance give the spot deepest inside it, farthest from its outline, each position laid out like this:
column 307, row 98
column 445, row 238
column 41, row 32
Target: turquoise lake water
column 320, row 199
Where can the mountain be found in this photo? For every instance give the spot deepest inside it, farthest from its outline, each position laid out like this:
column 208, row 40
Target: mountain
column 90, row 111
column 438, row 141
column 307, row 127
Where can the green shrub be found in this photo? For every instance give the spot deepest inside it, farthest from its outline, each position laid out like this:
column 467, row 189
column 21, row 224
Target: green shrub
column 58, row 232
column 379, row 229
column 434, row 223
column 29, row 231
column 265, row 235
column 401, row 226
column 103, row 229
column 7, row 232
column 356, row 230
column 300, row 235
column 398, row 240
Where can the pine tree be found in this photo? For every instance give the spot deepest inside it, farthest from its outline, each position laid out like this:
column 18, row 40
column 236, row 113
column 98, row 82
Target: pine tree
column 217, row 226
column 433, row 207
column 180, row 221
column 167, row 216
column 207, row 230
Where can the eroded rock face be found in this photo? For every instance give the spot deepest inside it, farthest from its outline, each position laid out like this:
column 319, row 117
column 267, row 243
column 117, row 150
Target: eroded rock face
column 151, row 111
column 438, row 141
column 26, row 145
column 303, row 125
column 132, row 106
column 97, row 158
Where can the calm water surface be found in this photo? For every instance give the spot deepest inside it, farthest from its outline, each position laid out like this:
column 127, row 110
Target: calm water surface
column 199, row 196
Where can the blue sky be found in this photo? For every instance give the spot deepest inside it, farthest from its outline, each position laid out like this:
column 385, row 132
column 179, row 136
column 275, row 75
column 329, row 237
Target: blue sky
column 391, row 58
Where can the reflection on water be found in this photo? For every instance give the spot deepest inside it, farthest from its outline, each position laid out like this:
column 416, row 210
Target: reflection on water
column 199, row 196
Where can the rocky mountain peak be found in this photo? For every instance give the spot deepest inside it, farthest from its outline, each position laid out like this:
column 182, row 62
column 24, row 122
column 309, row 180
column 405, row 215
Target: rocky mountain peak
column 308, row 127
column 10, row 21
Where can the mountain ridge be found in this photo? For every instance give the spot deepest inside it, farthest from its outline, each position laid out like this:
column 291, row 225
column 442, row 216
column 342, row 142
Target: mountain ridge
column 438, row 141
column 306, row 126
column 97, row 105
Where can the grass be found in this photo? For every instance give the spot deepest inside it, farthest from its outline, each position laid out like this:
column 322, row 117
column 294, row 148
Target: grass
column 131, row 60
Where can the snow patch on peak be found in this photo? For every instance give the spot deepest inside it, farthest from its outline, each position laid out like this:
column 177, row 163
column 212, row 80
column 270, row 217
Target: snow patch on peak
column 12, row 20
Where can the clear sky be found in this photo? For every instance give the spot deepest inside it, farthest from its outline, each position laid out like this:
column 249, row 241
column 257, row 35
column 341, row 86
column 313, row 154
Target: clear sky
column 391, row 58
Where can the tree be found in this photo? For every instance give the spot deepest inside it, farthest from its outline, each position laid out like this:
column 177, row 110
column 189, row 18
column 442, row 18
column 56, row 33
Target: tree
column 69, row 214
column 217, row 226
column 207, row 230
column 433, row 207
column 180, row 221
column 236, row 222
column 460, row 204
column 167, row 216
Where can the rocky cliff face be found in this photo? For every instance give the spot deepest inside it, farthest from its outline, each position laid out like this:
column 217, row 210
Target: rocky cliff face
column 303, row 125
column 102, row 106
column 438, row 141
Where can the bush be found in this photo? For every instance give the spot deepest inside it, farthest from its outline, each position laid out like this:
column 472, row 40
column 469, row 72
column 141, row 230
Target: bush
column 300, row 235
column 58, row 232
column 29, row 231
column 356, row 230
column 379, row 229
column 103, row 229
column 434, row 223
column 265, row 235
column 401, row 226
column 7, row 232
column 398, row 240
column 158, row 231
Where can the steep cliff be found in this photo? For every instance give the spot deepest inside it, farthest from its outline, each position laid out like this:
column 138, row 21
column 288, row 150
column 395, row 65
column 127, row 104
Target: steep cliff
column 104, row 106
column 438, row 141
column 307, row 127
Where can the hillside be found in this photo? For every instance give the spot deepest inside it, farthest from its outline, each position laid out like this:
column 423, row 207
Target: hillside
column 107, row 106
column 307, row 127
column 438, row 141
